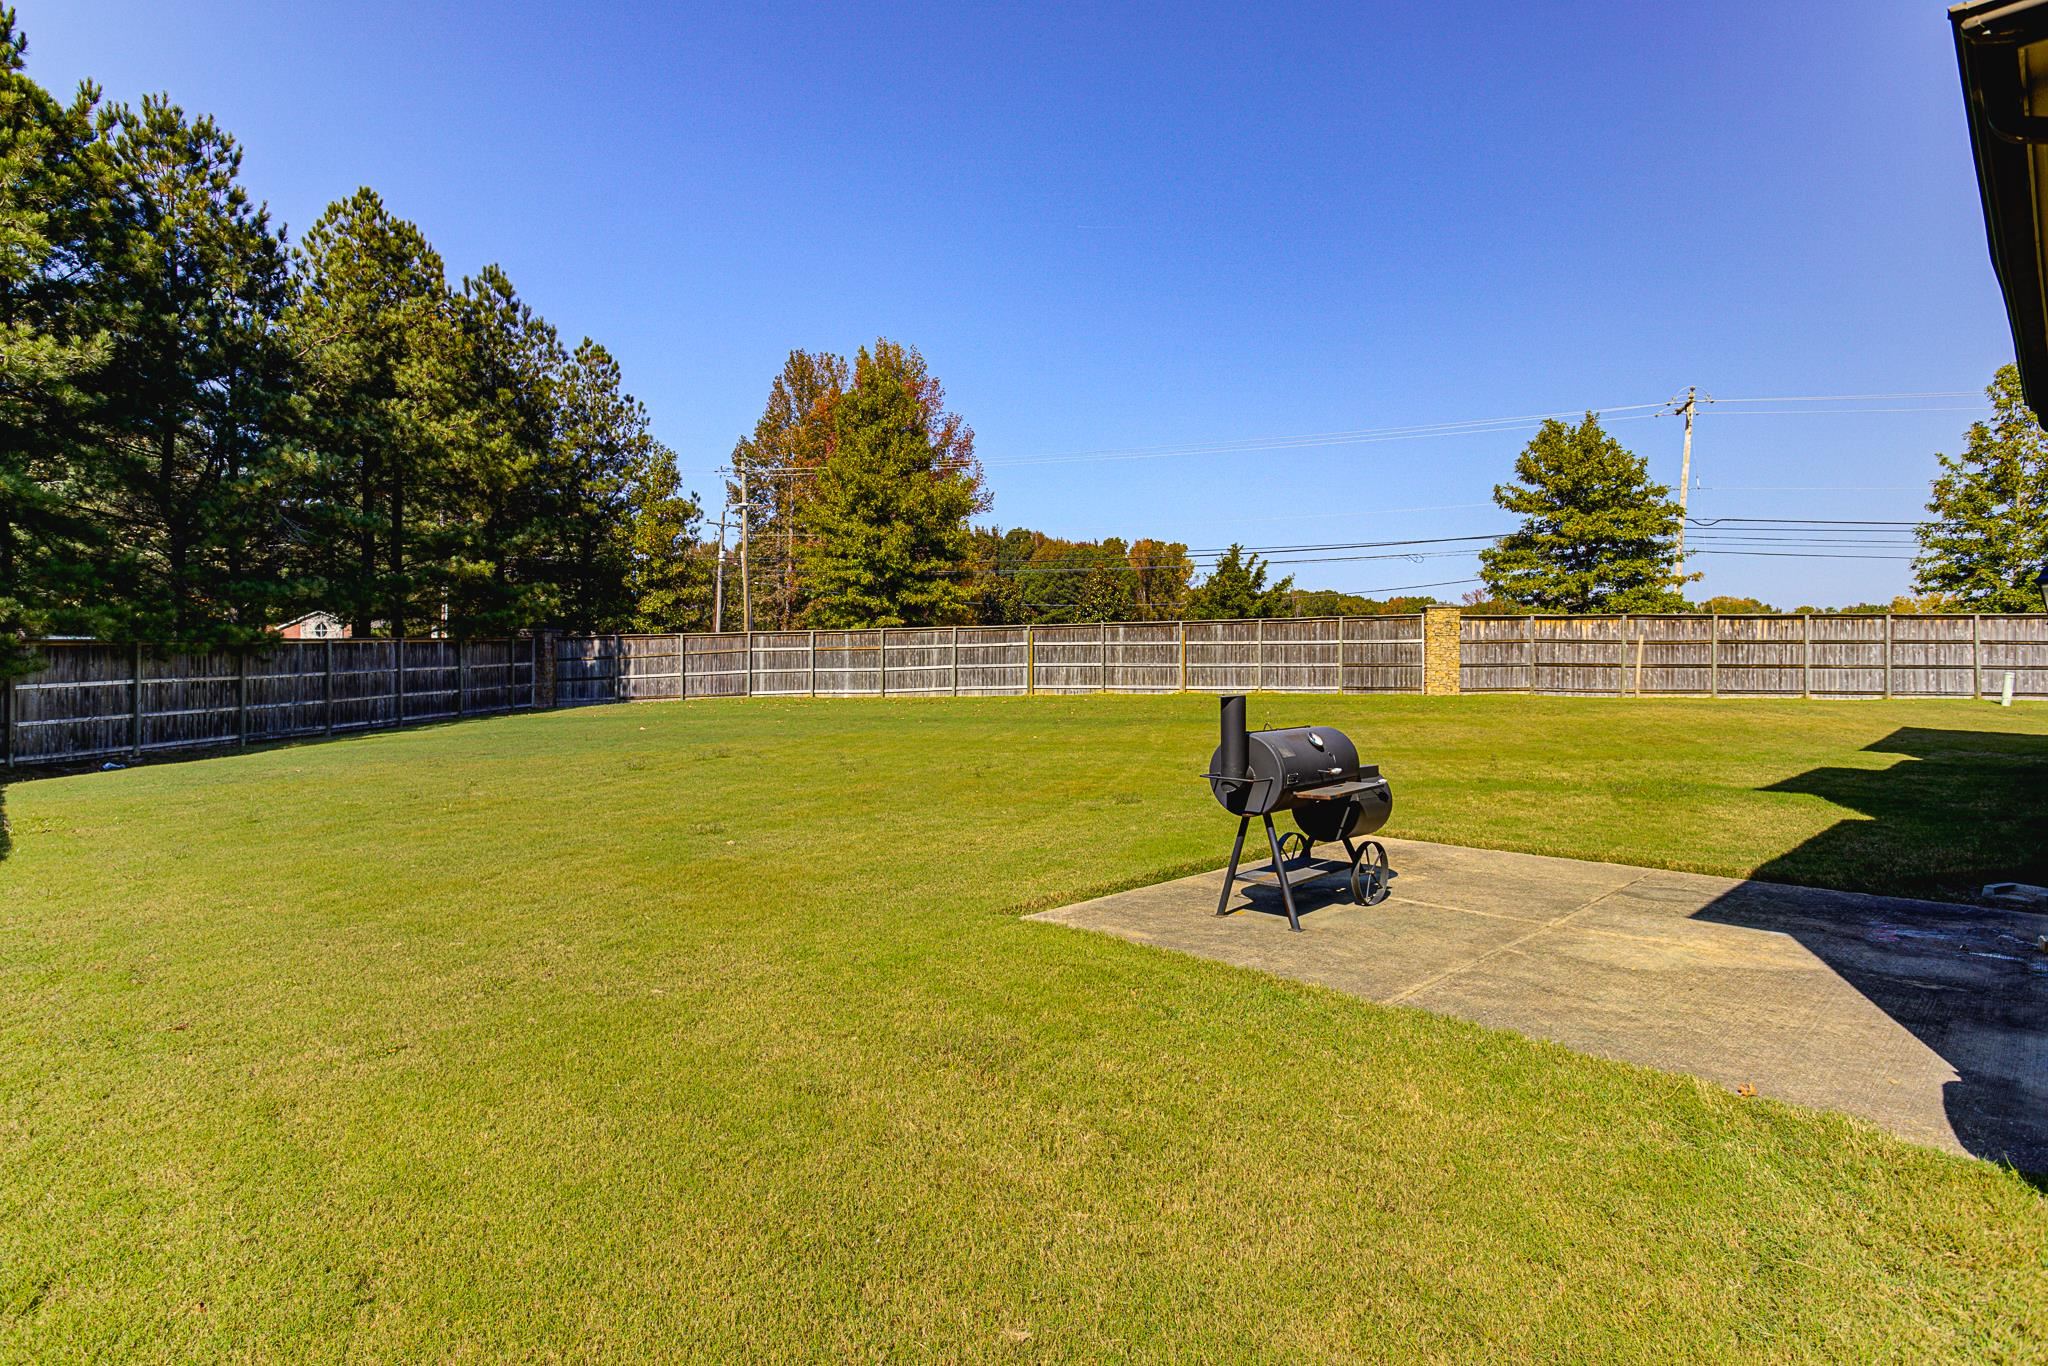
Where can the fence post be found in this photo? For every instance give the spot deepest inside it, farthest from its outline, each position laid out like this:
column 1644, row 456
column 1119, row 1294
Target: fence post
column 1976, row 656
column 327, row 687
column 1259, row 659
column 1714, row 656
column 882, row 657
column 1183, row 656
column 953, row 658
column 461, row 678
column 1030, row 661
column 241, row 697
column 1621, row 688
column 1806, row 655
column 1528, row 649
column 135, row 710
column 1887, row 654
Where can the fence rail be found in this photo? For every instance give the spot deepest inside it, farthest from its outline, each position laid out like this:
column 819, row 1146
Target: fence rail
column 98, row 700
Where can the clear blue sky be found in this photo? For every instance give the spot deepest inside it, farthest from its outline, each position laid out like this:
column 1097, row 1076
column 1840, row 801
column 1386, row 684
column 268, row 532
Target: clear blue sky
column 1112, row 227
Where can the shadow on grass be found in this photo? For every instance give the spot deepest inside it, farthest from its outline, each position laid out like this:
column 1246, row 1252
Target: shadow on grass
column 1962, row 808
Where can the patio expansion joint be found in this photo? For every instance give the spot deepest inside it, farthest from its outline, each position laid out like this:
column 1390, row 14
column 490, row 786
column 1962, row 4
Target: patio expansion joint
column 1545, row 927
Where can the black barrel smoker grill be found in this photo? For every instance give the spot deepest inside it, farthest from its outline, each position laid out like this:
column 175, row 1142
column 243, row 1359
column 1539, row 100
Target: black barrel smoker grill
column 1314, row 772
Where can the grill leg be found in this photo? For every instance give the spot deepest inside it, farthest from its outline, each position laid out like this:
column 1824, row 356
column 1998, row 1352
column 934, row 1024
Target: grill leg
column 1236, row 852
column 1280, row 874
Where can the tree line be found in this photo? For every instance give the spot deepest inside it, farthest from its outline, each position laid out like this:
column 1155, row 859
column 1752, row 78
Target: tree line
column 855, row 493
column 206, row 428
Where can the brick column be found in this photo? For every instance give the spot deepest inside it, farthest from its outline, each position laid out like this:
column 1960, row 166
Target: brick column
column 1440, row 650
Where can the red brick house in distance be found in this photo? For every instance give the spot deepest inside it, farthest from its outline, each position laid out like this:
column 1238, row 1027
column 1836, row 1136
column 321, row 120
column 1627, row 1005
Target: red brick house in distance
column 314, row 626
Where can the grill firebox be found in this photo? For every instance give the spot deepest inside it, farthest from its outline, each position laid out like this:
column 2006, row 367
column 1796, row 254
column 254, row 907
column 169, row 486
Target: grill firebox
column 1313, row 771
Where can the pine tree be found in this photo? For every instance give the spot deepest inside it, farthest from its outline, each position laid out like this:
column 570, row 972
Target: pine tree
column 886, row 525
column 670, row 576
column 53, row 197
column 505, row 479
column 604, row 449
column 1988, row 534
column 374, row 325
column 1596, row 535
column 197, row 380
column 1236, row 589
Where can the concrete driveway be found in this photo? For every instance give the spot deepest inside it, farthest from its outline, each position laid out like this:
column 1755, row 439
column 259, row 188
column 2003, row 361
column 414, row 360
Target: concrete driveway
column 1928, row 1019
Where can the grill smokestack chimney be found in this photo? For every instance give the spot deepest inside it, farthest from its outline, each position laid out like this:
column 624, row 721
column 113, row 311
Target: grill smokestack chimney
column 1236, row 745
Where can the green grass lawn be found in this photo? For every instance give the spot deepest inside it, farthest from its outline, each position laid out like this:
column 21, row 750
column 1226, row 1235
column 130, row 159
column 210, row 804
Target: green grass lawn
column 710, row 1030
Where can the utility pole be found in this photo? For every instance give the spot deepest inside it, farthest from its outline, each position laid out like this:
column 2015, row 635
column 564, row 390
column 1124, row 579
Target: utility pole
column 746, row 593
column 718, row 582
column 1685, row 408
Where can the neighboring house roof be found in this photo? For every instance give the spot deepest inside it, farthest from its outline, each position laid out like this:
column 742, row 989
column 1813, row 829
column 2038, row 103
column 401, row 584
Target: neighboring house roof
column 300, row 621
column 2002, row 54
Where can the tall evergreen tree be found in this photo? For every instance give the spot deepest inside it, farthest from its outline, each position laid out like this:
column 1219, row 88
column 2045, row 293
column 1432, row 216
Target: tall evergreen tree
column 669, row 576
column 886, row 526
column 604, row 449
column 504, row 481
column 1236, row 589
column 1596, row 535
column 197, row 379
column 1988, row 532
column 53, row 200
column 374, row 326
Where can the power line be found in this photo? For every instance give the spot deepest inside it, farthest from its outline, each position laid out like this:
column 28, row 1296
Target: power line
column 1851, row 398
column 1797, row 521
column 1808, row 555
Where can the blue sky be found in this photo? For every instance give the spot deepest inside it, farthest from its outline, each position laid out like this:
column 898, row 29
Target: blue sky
column 1177, row 226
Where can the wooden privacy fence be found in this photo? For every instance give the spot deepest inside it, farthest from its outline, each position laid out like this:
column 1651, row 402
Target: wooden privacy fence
column 1756, row 656
column 93, row 700
column 1733, row 656
column 97, row 700
column 1324, row 654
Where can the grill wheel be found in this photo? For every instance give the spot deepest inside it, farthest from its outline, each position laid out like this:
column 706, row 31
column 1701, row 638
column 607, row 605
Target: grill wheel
column 1369, row 881
column 1293, row 847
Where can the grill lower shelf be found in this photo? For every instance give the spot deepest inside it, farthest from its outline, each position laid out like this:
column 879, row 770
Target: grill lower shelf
column 1299, row 871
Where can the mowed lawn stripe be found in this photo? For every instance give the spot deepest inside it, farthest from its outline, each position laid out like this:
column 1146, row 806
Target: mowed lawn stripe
column 710, row 1029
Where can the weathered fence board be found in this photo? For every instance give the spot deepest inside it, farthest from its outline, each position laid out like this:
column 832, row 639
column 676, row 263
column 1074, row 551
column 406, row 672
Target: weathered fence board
column 1381, row 654
column 99, row 700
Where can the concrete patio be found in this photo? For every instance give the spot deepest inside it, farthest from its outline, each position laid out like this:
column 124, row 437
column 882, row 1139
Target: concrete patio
column 1929, row 1019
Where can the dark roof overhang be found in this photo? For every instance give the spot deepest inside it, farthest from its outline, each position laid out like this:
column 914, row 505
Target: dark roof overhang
column 2002, row 53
